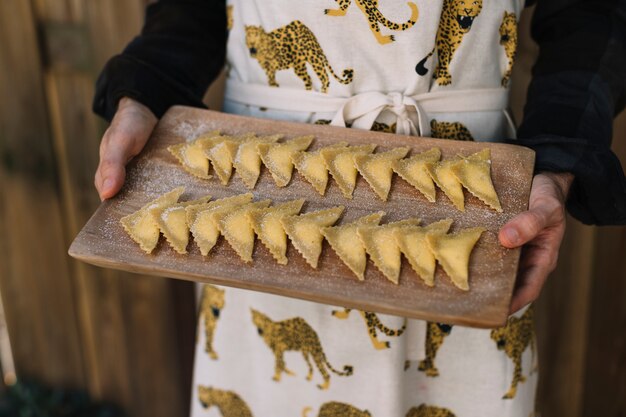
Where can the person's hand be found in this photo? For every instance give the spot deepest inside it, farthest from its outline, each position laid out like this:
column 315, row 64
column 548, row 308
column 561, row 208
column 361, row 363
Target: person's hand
column 125, row 138
column 540, row 230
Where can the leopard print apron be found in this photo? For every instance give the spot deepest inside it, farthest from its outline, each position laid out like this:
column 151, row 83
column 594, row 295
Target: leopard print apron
column 432, row 68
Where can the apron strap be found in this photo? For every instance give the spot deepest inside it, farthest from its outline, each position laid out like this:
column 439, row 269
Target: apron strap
column 361, row 110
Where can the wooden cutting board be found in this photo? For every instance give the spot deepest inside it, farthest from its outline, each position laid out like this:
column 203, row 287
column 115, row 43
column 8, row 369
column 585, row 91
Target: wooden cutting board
column 493, row 268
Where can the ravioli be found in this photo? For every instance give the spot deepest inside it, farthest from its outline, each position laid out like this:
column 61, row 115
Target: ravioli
column 199, row 218
column 377, row 169
column 142, row 227
column 453, row 253
column 340, row 164
column 277, row 157
column 380, row 243
column 191, row 154
column 268, row 227
column 172, row 221
column 222, row 154
column 235, row 226
column 247, row 162
column 442, row 174
column 413, row 170
column 474, row 173
column 348, row 246
column 312, row 167
column 305, row 232
column 412, row 243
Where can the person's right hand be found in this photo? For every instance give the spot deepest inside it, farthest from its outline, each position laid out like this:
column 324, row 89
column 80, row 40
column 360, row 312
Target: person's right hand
column 130, row 129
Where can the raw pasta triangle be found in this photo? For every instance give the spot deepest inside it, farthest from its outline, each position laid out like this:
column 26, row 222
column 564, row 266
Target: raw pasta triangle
column 377, row 169
column 199, row 217
column 413, row 170
column 340, row 163
column 453, row 253
column 306, row 234
column 237, row 229
column 412, row 242
column 381, row 245
column 247, row 161
column 277, row 157
column 348, row 246
column 142, row 227
column 441, row 173
column 222, row 153
column 474, row 172
column 312, row 167
column 268, row 227
column 191, row 155
column 172, row 221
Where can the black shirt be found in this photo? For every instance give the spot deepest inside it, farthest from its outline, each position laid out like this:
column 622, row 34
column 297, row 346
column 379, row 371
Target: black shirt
column 578, row 86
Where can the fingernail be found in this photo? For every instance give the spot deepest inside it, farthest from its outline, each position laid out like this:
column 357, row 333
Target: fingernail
column 511, row 235
column 107, row 184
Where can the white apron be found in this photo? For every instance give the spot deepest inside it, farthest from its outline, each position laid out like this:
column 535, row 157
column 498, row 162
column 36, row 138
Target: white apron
column 427, row 67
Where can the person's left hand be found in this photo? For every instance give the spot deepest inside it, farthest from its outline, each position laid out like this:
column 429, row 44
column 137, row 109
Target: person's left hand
column 540, row 230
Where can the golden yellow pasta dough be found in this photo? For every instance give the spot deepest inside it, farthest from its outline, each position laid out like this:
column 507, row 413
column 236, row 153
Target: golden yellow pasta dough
column 305, row 232
column 268, row 227
column 382, row 247
column 312, row 167
column 142, row 227
column 474, row 173
column 346, row 242
column 247, row 161
column 277, row 157
column 340, row 164
column 413, row 170
column 453, row 253
column 203, row 228
column 172, row 221
column 412, row 242
column 235, row 226
column 377, row 169
column 441, row 173
column 191, row 154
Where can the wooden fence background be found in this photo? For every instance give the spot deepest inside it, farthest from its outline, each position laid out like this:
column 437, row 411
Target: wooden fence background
column 129, row 339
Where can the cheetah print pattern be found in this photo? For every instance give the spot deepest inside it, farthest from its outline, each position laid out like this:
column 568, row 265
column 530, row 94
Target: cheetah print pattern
column 229, row 403
column 376, row 18
column 457, row 17
column 373, row 324
column 448, row 130
column 211, row 305
column 435, row 334
column 429, row 411
column 336, row 409
column 295, row 335
column 376, row 127
column 292, row 47
column 229, row 17
column 513, row 339
column 508, row 39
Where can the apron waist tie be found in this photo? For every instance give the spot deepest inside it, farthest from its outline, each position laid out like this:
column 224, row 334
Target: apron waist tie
column 361, row 110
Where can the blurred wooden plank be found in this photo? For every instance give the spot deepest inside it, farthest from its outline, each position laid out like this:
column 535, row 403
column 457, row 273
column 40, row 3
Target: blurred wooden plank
column 605, row 377
column 135, row 355
column 562, row 314
column 35, row 279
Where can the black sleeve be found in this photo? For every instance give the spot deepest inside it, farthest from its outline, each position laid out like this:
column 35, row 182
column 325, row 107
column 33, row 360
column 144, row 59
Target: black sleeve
column 179, row 52
column 578, row 86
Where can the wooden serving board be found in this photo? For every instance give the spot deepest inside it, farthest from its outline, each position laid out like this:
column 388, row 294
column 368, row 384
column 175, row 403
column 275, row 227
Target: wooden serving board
column 493, row 268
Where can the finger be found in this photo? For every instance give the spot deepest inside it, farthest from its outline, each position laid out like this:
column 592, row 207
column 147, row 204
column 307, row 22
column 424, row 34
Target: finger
column 529, row 288
column 117, row 148
column 527, row 225
column 537, row 263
